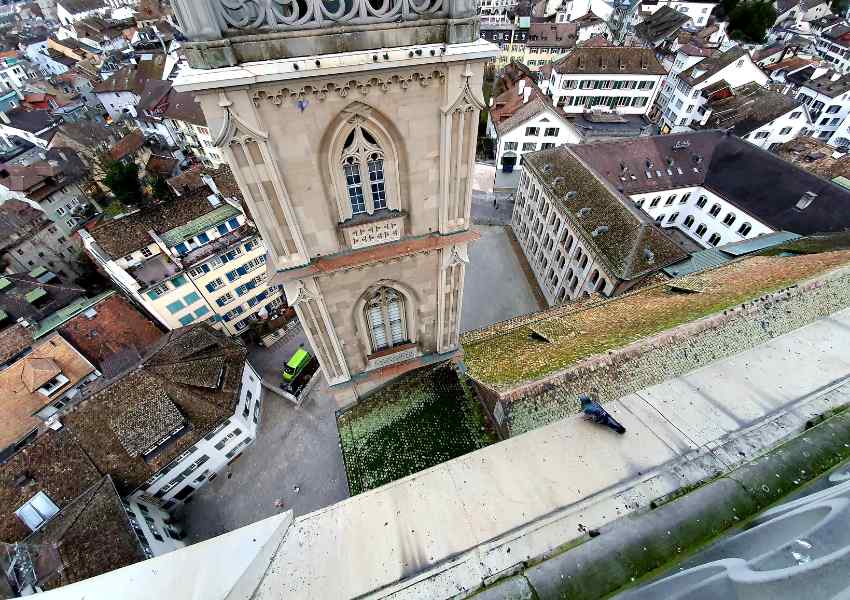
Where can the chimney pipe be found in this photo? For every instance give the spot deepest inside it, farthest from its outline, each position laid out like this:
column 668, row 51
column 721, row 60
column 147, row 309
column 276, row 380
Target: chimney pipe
column 521, row 87
column 526, row 95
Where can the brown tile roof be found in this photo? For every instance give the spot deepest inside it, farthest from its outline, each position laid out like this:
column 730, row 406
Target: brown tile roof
column 133, row 78
column 78, row 6
column 179, row 376
column 92, row 535
column 225, row 182
column 509, row 101
column 610, row 59
column 14, row 340
column 120, row 237
column 751, row 106
column 127, row 145
column 816, row 157
column 116, row 327
column 53, row 464
column 182, row 107
column 164, row 166
column 552, row 35
column 19, row 398
column 789, row 64
column 632, row 245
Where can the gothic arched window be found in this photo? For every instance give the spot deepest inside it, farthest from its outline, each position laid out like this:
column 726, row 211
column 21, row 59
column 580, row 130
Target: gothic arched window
column 363, row 163
column 386, row 319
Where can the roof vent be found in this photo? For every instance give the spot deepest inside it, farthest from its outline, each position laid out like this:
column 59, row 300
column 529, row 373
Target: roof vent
column 623, row 167
column 24, row 479
column 669, row 161
column 547, row 168
column 697, row 158
column 90, row 314
column 571, row 195
column 805, row 200
column 599, row 231
column 214, row 200
column 682, row 144
column 648, row 164
column 648, row 255
column 558, row 180
column 583, row 211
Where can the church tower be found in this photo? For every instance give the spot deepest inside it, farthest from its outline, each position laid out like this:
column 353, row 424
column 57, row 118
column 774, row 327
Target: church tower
column 350, row 127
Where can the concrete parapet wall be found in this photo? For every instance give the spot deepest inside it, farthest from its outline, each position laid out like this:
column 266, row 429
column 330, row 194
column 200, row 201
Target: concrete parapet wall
column 666, row 355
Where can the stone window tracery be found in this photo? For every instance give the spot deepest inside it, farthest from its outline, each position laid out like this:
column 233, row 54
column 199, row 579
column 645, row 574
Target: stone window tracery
column 385, row 315
column 363, row 160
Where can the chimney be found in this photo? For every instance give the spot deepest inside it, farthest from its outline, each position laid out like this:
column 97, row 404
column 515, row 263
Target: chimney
column 521, row 87
column 526, row 95
column 63, row 156
column 835, row 77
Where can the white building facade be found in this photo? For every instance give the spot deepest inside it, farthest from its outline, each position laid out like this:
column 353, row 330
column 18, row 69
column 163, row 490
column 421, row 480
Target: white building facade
column 828, row 100
column 172, row 485
column 623, row 80
column 684, row 102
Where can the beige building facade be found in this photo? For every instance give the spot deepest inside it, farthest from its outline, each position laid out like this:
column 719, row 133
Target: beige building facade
column 356, row 167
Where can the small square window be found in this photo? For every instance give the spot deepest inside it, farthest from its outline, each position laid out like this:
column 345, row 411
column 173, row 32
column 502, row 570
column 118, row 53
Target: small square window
column 186, row 320
column 191, row 298
column 175, row 306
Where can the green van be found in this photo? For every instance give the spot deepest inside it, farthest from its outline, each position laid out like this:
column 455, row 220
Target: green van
column 296, row 364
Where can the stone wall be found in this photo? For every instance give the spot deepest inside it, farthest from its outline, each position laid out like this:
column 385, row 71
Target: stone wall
column 666, row 355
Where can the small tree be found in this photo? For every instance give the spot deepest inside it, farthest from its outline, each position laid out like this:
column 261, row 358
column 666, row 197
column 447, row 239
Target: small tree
column 839, row 7
column 161, row 190
column 749, row 20
column 122, row 179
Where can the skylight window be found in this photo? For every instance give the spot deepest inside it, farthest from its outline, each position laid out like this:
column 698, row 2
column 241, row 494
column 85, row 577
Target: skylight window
column 37, row 511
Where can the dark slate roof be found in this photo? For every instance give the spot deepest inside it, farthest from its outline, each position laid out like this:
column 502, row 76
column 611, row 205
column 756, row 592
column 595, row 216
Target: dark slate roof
column 830, row 84
column 756, row 181
column 610, row 59
column 127, row 145
column 592, row 127
column 78, row 6
column 92, row 535
column 660, row 25
column 33, row 121
column 709, row 66
column 766, row 186
column 132, row 78
column 751, row 106
column 196, row 371
column 632, row 245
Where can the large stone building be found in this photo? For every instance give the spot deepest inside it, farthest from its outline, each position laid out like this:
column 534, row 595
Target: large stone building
column 355, row 165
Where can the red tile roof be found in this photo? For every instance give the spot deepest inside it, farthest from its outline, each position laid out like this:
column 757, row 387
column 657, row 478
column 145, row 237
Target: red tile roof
column 118, row 326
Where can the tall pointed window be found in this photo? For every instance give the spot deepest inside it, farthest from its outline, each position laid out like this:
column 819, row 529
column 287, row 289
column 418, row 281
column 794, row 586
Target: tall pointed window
column 363, row 161
column 385, row 316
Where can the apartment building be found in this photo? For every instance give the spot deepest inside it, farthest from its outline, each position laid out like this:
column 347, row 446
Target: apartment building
column 579, row 237
column 511, row 39
column 169, row 425
column 834, row 45
column 196, row 258
column 827, row 97
column 625, row 80
column 590, row 217
column 684, row 101
column 759, row 115
column 697, row 12
column 522, row 119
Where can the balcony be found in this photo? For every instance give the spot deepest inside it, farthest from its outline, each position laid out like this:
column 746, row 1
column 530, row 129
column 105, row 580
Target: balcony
column 224, row 33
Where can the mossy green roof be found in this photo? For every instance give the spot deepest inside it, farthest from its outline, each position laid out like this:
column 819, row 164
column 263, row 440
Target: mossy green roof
column 507, row 354
column 38, row 271
column 34, row 295
column 69, row 312
column 199, row 225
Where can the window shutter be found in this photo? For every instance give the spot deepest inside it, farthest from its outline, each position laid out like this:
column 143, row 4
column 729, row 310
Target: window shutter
column 396, row 324
column 376, row 322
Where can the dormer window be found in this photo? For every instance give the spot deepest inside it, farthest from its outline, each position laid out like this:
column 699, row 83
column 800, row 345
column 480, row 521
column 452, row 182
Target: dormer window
column 806, row 199
column 50, row 386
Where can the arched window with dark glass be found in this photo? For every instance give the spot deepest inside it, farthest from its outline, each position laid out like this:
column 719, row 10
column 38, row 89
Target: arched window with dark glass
column 363, row 160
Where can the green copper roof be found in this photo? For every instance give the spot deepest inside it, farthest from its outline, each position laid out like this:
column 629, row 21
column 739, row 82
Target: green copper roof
column 842, row 181
column 3, row 315
column 33, row 295
column 5, row 284
column 38, row 272
column 199, row 225
column 64, row 315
